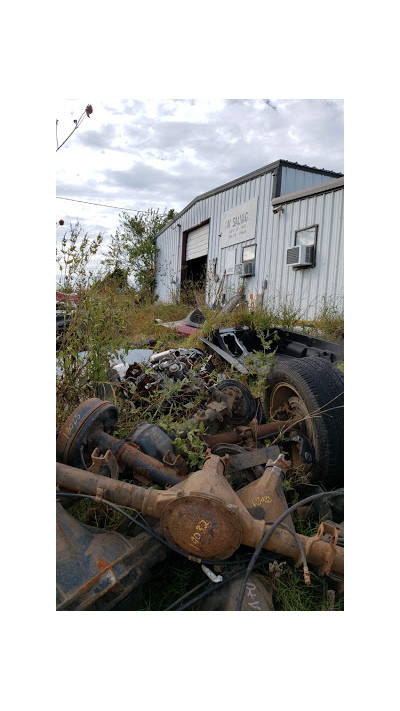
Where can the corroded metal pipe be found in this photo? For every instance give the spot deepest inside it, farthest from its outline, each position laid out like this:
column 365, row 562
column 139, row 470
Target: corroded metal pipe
column 253, row 431
column 131, row 459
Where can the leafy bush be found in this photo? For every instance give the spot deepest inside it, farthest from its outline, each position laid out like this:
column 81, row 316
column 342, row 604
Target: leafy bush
column 95, row 335
column 330, row 321
column 73, row 256
column 133, row 248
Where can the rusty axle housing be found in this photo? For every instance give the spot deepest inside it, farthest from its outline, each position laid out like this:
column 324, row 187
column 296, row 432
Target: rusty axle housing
column 203, row 515
column 91, row 425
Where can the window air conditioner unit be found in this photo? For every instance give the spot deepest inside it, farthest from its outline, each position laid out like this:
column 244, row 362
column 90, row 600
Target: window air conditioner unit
column 300, row 256
column 245, row 269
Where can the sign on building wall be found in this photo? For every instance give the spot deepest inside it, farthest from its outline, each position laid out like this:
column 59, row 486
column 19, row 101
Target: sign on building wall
column 239, row 223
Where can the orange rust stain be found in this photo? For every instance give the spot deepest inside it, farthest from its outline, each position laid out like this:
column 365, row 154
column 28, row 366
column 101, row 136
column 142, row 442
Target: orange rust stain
column 102, row 564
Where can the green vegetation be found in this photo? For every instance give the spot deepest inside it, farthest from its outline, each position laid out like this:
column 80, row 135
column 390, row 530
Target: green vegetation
column 109, row 318
column 133, row 249
column 73, row 256
column 328, row 324
column 292, row 594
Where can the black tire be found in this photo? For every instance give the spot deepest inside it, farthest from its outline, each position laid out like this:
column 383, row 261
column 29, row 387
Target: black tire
column 312, row 388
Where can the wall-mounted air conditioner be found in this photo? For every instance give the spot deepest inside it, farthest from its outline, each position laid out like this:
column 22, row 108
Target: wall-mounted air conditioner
column 300, row 256
column 245, row 269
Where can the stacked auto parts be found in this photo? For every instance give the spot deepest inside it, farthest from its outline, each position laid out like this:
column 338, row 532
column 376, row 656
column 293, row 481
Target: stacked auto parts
column 209, row 514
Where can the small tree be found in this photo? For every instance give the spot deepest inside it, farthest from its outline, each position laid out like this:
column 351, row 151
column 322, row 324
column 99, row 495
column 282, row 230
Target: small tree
column 73, row 256
column 133, row 248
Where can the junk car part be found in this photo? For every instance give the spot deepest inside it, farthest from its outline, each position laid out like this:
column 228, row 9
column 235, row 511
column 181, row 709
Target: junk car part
column 233, row 405
column 97, row 569
column 325, row 567
column 175, row 363
column 258, row 596
column 223, row 596
column 247, row 435
column 232, row 402
column 226, row 356
column 226, row 580
column 251, row 457
column 91, row 426
column 310, row 390
column 201, row 515
column 241, row 469
column 92, row 423
column 236, row 344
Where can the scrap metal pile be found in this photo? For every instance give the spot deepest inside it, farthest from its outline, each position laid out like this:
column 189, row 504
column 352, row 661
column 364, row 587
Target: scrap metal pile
column 229, row 515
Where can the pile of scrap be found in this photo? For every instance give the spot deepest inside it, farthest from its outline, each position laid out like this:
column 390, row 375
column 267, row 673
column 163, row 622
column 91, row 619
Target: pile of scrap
column 228, row 516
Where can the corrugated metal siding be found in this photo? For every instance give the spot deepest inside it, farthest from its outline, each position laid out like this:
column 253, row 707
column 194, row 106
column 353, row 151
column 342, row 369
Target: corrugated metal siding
column 305, row 288
column 212, row 209
column 197, row 243
column 169, row 264
column 294, row 179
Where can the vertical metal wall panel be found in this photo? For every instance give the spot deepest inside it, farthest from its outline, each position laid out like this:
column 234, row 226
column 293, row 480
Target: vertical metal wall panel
column 306, row 290
column 302, row 289
column 168, row 265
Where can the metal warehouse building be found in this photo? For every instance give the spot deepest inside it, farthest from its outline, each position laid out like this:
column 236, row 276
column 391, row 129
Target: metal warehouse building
column 276, row 233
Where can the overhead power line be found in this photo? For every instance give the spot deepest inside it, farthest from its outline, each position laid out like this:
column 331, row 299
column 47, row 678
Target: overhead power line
column 99, row 204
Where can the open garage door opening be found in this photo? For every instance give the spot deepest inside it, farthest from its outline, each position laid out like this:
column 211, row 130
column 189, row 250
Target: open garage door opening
column 194, row 264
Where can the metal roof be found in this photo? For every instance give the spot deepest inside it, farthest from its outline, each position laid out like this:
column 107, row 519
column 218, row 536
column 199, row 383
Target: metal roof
column 250, row 176
column 308, row 192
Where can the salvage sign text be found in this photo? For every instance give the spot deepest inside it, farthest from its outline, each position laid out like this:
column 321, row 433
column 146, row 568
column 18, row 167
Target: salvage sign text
column 239, row 223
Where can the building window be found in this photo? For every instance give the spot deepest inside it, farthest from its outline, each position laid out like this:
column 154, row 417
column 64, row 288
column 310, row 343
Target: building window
column 249, row 253
column 308, row 238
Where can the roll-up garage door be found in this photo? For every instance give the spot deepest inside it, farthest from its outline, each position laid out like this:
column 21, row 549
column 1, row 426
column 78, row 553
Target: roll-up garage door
column 197, row 242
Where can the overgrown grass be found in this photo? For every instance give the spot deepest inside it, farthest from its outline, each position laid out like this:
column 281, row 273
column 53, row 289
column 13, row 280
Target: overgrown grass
column 292, row 594
column 328, row 324
column 177, row 576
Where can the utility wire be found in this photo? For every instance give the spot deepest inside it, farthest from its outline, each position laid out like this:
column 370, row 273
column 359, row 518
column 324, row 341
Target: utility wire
column 114, row 207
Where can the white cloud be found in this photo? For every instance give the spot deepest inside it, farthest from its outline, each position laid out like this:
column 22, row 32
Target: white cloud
column 143, row 154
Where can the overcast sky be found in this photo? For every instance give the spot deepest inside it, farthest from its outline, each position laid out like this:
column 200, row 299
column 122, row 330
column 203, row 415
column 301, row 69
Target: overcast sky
column 141, row 154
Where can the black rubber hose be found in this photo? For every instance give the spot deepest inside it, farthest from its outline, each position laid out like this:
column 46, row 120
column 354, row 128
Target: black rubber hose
column 210, row 590
column 190, row 592
column 270, row 531
column 215, row 586
column 266, row 559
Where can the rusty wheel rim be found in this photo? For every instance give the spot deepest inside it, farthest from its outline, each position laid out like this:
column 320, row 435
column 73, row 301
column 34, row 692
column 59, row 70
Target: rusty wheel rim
column 286, row 403
column 76, row 430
